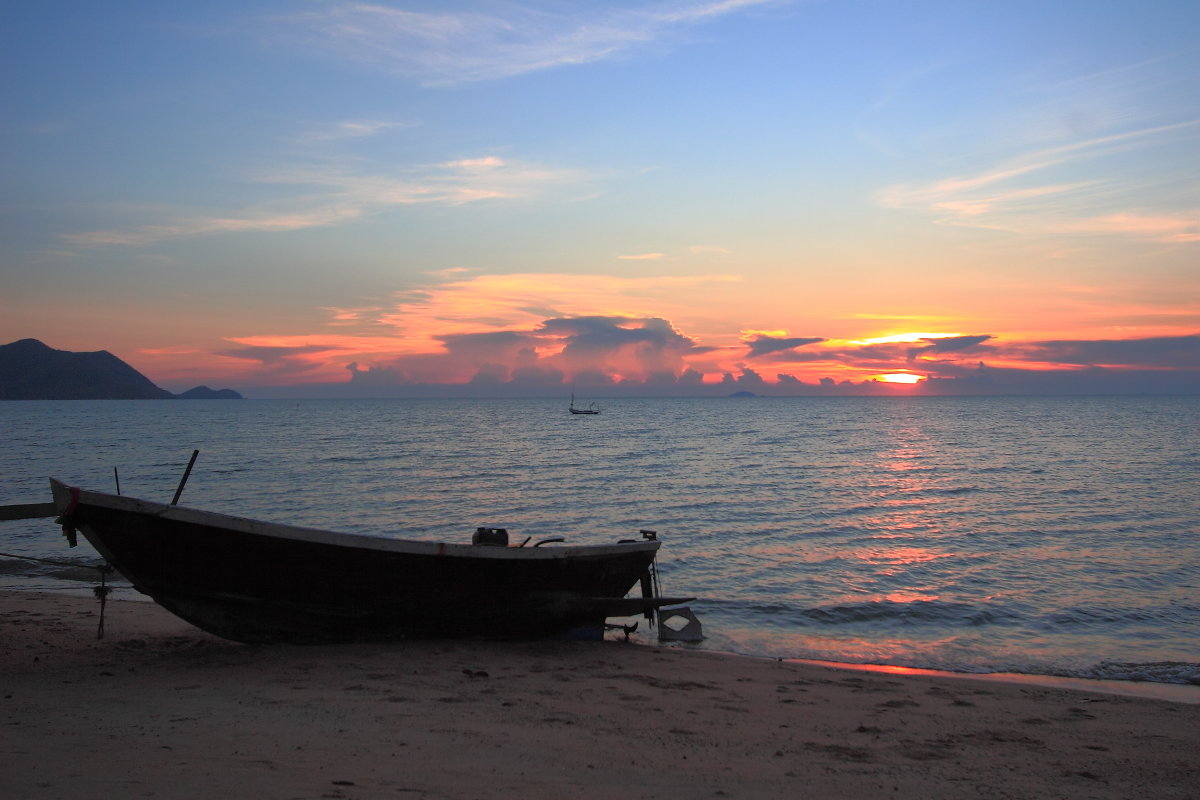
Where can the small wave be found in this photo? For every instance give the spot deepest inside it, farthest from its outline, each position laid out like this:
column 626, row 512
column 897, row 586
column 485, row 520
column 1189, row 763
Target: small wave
column 857, row 510
column 364, row 458
column 13, row 566
column 1107, row 617
column 37, row 568
column 922, row 611
column 1180, row 672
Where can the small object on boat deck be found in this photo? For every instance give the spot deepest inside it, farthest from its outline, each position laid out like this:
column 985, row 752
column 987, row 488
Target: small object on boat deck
column 494, row 537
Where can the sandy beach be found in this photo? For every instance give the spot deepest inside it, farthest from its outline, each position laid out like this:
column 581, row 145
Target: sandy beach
column 159, row 709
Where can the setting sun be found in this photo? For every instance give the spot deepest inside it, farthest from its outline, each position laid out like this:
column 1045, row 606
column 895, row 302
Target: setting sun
column 900, row 377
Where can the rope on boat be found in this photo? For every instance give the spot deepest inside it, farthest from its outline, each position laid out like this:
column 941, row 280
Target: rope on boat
column 650, row 585
column 102, row 591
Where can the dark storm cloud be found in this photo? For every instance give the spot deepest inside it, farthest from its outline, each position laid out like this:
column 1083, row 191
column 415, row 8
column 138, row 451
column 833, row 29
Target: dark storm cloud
column 486, row 344
column 375, row 375
column 763, row 344
column 981, row 379
column 748, row 379
column 279, row 362
column 271, row 355
column 1174, row 352
column 606, row 334
column 537, row 377
column 951, row 344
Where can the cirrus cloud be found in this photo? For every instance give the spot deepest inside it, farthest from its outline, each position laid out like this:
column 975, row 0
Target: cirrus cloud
column 345, row 195
column 452, row 47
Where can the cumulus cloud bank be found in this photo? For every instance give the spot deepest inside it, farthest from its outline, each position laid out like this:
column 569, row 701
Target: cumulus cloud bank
column 614, row 355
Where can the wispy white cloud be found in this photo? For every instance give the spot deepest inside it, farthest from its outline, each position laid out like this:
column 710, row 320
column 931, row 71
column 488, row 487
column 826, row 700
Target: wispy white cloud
column 449, row 47
column 349, row 316
column 450, row 182
column 189, row 226
column 344, row 195
column 1021, row 193
column 694, row 250
column 440, row 47
column 353, row 129
column 1175, row 228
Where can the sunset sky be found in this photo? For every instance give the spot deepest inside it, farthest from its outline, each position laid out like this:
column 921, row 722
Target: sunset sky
column 320, row 198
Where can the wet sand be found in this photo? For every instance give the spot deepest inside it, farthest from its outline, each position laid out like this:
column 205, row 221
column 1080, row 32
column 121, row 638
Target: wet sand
column 160, row 709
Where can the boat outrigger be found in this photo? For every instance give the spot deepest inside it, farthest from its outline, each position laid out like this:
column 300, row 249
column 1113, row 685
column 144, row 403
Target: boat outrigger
column 254, row 581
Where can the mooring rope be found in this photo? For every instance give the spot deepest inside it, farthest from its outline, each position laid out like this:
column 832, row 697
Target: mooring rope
column 102, row 591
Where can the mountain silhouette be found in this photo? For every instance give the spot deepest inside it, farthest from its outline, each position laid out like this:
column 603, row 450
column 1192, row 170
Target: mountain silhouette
column 30, row 370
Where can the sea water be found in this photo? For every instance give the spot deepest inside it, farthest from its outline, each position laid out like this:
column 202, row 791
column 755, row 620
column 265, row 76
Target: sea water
column 1041, row 535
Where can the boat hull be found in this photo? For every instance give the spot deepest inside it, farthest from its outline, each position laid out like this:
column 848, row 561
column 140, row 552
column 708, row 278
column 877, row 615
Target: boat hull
column 252, row 581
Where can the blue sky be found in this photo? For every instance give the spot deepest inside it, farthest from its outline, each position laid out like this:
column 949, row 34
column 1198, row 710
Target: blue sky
column 521, row 196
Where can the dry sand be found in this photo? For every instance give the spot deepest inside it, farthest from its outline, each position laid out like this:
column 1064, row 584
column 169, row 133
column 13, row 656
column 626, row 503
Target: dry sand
column 160, row 709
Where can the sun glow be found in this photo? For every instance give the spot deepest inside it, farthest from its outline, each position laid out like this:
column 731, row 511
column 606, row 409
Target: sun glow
column 904, row 337
column 900, row 377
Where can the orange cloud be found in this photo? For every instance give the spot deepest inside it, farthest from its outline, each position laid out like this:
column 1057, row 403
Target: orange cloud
column 451, row 331
column 494, row 302
column 534, row 332
column 1175, row 228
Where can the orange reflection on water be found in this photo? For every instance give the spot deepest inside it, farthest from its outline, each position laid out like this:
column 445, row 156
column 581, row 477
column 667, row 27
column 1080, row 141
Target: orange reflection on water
column 902, row 556
column 900, row 502
column 893, row 563
column 910, row 596
column 866, row 654
column 888, row 669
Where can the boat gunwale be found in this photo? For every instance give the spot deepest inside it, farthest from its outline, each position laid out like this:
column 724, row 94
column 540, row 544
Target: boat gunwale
column 62, row 493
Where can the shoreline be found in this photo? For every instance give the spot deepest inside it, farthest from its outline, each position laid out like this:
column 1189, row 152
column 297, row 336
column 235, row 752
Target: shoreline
column 1174, row 692
column 202, row 717
column 1150, row 690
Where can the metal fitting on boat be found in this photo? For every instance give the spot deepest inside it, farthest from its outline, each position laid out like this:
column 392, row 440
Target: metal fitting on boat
column 497, row 537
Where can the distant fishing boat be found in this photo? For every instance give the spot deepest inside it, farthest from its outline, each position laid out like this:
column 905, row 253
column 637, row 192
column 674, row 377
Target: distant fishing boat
column 253, row 581
column 590, row 409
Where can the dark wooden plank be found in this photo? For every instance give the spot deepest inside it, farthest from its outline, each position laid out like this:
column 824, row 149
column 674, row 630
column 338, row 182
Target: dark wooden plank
column 28, row 511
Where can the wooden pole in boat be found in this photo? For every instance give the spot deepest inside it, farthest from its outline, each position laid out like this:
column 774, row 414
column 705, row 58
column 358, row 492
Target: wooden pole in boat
column 183, row 480
column 117, row 480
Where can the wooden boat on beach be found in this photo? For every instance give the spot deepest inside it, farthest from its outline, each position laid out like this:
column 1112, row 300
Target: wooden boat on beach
column 255, row 581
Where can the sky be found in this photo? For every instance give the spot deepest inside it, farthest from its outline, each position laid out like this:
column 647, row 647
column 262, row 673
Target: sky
column 663, row 197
